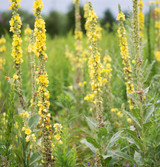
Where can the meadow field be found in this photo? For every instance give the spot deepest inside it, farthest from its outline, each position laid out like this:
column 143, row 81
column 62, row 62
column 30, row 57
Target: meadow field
column 84, row 99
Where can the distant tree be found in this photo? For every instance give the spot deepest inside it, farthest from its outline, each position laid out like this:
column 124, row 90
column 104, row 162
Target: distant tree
column 55, row 23
column 108, row 20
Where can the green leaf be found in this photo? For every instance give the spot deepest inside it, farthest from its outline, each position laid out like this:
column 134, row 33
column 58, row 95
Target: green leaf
column 106, row 159
column 149, row 113
column 102, row 132
column 89, row 145
column 124, row 156
column 92, row 141
column 138, row 158
column 133, row 118
column 91, row 123
column 114, row 138
column 134, row 136
column 33, row 121
column 34, row 158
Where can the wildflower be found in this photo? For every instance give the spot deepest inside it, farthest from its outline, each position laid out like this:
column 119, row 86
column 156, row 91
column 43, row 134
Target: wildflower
column 94, row 63
column 126, row 59
column 121, row 17
column 42, row 80
column 60, row 142
column 141, row 20
column 129, row 120
column 27, row 131
column 78, row 43
column 15, row 28
column 57, row 136
column 157, row 55
column 27, row 138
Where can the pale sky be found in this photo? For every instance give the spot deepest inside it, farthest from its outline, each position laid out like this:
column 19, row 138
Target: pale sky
column 62, row 5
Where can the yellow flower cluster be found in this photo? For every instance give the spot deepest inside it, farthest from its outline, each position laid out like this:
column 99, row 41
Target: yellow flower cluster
column 57, row 132
column 107, row 69
column 37, row 6
column 29, row 136
column 94, row 63
column 15, row 25
column 121, row 17
column 157, row 31
column 2, row 45
column 95, row 66
column 155, row 2
column 120, row 114
column 86, row 11
column 78, row 65
column 42, row 79
column 141, row 19
column 27, row 33
column 126, row 60
column 39, row 33
column 14, row 4
column 2, row 50
column 157, row 55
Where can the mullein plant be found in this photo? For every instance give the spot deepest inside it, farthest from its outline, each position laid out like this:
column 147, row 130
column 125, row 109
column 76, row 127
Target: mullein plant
column 141, row 21
column 157, row 30
column 2, row 59
column 127, row 70
column 138, row 57
column 94, row 63
column 78, row 42
column 42, row 80
column 106, row 80
column 31, row 53
column 15, row 28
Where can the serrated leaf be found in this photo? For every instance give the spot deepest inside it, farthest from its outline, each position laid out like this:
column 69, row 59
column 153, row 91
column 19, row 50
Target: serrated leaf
column 89, row 145
column 114, row 138
column 33, row 121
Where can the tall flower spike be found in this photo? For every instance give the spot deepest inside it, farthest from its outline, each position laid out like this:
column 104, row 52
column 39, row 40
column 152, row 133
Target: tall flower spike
column 138, row 57
column 125, row 57
column 78, row 42
column 2, row 59
column 141, row 20
column 42, row 80
column 95, row 66
column 157, row 31
column 15, row 26
column 31, row 50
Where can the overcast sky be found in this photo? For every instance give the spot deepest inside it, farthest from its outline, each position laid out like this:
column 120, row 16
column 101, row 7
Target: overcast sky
column 62, row 5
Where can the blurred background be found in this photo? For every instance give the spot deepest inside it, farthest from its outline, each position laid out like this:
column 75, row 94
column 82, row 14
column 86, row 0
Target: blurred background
column 59, row 14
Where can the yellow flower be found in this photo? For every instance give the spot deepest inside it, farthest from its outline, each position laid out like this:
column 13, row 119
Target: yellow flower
column 37, row 6
column 129, row 120
column 27, row 131
column 157, row 55
column 121, row 16
column 57, row 136
column 27, row 138
column 15, row 76
column 60, row 142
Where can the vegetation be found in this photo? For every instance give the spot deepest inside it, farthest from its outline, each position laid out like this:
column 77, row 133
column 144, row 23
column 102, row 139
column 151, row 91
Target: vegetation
column 89, row 98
